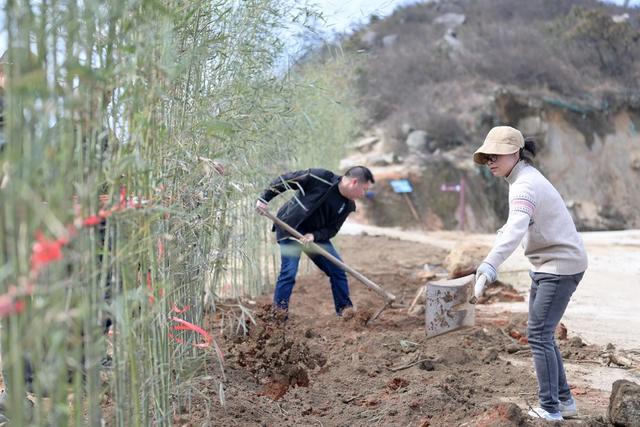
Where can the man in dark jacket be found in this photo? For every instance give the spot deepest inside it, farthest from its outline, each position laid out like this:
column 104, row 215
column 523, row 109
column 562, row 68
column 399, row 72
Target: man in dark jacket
column 322, row 202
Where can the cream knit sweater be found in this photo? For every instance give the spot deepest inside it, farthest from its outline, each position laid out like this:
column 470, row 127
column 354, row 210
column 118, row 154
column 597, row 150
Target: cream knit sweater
column 539, row 218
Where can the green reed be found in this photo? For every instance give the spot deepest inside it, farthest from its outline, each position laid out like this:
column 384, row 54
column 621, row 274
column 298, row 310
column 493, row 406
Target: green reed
column 148, row 99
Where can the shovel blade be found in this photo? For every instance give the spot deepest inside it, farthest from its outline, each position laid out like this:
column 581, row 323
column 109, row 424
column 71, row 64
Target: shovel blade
column 447, row 305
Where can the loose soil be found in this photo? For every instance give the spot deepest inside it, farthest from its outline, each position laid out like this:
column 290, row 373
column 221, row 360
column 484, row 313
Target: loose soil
column 316, row 368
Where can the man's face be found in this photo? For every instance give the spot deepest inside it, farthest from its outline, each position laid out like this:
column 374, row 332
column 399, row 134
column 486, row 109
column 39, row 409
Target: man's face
column 356, row 189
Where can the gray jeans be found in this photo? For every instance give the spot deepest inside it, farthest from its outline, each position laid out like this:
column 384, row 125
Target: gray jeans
column 550, row 294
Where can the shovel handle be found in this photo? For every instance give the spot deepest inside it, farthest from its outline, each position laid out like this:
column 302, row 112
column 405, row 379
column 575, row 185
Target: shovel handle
column 388, row 297
column 478, row 288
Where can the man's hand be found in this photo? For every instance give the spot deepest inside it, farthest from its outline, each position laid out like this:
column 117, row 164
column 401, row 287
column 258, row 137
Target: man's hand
column 261, row 207
column 307, row 238
column 488, row 271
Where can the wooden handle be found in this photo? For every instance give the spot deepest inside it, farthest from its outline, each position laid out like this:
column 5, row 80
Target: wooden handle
column 388, row 297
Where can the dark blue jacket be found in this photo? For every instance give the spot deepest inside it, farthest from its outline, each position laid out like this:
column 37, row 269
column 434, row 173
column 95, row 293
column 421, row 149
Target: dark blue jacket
column 312, row 187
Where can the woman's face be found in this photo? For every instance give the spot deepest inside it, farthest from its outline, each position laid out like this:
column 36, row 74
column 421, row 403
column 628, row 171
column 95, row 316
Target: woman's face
column 501, row 164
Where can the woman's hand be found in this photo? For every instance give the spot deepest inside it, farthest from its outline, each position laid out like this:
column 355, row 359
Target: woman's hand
column 488, row 271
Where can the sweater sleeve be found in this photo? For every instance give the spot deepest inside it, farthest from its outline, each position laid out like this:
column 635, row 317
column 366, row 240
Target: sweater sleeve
column 522, row 204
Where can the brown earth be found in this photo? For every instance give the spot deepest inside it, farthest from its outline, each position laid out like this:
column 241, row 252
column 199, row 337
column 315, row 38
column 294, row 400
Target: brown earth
column 320, row 369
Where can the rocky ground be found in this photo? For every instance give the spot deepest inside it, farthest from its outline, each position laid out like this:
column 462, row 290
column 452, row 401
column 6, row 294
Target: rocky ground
column 319, row 369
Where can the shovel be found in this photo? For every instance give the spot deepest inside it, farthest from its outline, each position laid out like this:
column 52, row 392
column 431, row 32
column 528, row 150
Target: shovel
column 388, row 297
column 450, row 304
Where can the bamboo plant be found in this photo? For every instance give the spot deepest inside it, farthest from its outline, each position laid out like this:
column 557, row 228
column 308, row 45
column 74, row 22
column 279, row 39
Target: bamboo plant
column 138, row 135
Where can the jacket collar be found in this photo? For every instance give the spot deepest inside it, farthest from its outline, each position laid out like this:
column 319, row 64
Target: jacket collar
column 516, row 171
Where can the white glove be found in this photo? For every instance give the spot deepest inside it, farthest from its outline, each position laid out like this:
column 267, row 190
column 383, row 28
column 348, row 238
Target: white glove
column 488, row 271
column 485, row 274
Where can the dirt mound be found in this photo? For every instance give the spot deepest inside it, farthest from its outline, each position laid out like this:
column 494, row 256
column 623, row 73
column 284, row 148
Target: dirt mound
column 500, row 292
column 357, row 317
column 503, row 415
column 397, row 383
column 273, row 355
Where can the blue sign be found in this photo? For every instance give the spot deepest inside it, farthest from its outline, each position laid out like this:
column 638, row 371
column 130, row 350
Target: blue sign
column 401, row 185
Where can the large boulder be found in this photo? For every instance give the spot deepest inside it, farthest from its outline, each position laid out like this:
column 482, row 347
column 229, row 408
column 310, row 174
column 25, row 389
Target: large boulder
column 390, row 40
column 418, row 141
column 464, row 258
column 450, row 20
column 624, row 405
column 369, row 38
column 452, row 41
column 381, row 159
column 406, row 129
column 366, row 144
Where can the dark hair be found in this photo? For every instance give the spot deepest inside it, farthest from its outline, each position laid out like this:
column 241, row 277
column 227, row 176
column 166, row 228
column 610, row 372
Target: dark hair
column 530, row 148
column 360, row 173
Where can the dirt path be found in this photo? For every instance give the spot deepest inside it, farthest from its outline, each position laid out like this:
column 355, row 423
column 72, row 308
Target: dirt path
column 318, row 369
column 605, row 307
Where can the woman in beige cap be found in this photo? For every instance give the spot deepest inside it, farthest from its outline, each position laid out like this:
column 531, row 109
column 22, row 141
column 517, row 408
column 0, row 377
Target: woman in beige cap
column 540, row 220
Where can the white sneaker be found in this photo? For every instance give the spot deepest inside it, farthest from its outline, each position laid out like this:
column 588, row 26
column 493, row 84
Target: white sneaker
column 541, row 413
column 568, row 408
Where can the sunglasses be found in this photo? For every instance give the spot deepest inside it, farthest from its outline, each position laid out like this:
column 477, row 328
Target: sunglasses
column 491, row 158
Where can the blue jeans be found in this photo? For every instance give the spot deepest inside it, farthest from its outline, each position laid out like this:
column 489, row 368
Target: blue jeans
column 550, row 294
column 290, row 251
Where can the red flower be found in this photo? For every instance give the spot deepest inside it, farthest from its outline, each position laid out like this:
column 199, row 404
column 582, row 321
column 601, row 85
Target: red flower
column 175, row 309
column 9, row 306
column 160, row 248
column 45, row 251
column 152, row 299
column 188, row 326
column 91, row 221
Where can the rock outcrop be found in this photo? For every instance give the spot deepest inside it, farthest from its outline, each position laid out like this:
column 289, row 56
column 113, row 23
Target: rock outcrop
column 590, row 154
column 562, row 72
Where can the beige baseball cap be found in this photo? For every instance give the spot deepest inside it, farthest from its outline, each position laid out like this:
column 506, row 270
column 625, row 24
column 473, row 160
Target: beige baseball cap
column 499, row 140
